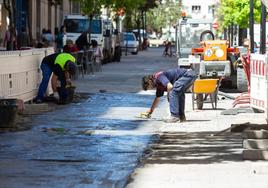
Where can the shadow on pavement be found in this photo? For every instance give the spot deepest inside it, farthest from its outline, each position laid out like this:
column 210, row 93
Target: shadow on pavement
column 195, row 148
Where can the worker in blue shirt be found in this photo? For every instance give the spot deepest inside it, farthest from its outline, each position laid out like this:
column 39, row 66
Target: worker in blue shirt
column 175, row 82
column 62, row 65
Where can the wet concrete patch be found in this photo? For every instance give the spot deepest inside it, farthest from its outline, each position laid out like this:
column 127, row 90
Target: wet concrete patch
column 56, row 153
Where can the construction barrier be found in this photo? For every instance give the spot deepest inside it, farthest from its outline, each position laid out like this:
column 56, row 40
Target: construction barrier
column 259, row 81
column 20, row 73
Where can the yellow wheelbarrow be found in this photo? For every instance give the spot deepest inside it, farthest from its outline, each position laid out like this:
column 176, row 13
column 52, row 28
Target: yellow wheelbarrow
column 202, row 88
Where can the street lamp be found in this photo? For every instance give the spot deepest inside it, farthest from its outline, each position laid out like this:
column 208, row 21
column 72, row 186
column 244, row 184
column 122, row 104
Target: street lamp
column 263, row 29
column 251, row 25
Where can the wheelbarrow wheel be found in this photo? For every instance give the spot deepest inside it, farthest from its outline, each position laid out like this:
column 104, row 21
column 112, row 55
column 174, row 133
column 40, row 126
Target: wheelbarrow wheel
column 199, row 101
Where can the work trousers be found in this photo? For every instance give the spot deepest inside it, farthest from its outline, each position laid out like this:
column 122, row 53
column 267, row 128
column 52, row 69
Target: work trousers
column 46, row 72
column 177, row 94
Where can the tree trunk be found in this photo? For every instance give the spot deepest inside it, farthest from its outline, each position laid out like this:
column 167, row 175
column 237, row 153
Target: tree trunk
column 90, row 26
column 242, row 34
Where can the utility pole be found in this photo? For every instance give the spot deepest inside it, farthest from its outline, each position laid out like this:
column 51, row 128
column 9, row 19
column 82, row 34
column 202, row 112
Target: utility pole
column 263, row 29
column 251, row 26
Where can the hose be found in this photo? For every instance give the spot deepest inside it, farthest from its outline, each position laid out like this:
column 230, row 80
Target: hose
column 226, row 95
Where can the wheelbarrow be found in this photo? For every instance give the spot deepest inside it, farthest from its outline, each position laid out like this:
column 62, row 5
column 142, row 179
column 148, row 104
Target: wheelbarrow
column 202, row 88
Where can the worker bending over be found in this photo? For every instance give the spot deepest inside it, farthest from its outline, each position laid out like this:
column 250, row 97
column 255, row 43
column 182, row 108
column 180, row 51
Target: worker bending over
column 62, row 65
column 175, row 82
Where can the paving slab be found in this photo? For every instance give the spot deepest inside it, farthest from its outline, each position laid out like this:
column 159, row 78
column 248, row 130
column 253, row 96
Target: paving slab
column 257, row 134
column 31, row 109
column 255, row 144
column 255, row 154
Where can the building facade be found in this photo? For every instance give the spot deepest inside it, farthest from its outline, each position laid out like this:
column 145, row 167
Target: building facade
column 36, row 15
column 200, row 9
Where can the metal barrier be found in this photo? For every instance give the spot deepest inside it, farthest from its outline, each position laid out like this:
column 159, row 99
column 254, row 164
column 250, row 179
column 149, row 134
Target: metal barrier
column 20, row 73
column 259, row 81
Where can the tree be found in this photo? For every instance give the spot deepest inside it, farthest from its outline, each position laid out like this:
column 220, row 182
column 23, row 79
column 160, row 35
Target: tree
column 91, row 8
column 163, row 15
column 237, row 12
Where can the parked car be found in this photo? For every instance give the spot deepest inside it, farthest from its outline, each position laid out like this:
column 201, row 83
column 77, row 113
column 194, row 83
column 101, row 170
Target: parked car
column 129, row 42
column 155, row 42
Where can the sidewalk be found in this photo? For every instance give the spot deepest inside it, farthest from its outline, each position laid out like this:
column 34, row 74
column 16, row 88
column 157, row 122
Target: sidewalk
column 188, row 155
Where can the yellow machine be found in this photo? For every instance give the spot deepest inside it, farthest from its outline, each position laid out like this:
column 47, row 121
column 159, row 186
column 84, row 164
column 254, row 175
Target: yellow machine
column 213, row 66
column 215, row 50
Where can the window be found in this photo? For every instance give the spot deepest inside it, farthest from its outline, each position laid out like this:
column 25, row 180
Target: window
column 129, row 36
column 196, row 9
column 211, row 9
column 81, row 25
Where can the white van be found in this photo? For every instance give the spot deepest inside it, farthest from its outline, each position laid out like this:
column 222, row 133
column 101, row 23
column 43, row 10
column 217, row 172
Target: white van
column 76, row 24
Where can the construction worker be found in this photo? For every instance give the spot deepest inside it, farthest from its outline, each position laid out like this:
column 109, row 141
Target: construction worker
column 175, row 82
column 62, row 65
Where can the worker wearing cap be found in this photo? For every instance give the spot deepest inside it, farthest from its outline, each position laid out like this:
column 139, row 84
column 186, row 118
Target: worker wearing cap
column 62, row 65
column 175, row 82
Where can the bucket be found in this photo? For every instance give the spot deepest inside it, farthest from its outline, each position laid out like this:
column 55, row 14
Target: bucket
column 66, row 94
column 8, row 113
column 70, row 93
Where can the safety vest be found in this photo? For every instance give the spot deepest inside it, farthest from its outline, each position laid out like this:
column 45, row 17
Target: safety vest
column 62, row 58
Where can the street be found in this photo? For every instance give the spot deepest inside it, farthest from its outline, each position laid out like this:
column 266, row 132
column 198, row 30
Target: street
column 100, row 142
column 96, row 143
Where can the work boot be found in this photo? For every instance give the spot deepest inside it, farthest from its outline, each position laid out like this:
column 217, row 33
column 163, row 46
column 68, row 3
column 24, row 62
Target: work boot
column 182, row 118
column 172, row 119
column 37, row 100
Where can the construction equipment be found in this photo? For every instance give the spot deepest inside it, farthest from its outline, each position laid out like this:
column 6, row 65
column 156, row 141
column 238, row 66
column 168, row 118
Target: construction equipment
column 213, row 65
column 211, row 59
column 187, row 36
column 193, row 53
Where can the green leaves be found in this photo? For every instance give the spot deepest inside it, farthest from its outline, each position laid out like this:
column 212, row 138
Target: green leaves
column 163, row 15
column 93, row 7
column 237, row 12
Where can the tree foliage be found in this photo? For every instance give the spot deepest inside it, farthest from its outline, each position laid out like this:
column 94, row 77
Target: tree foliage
column 90, row 7
column 93, row 7
column 164, row 15
column 133, row 9
column 237, row 12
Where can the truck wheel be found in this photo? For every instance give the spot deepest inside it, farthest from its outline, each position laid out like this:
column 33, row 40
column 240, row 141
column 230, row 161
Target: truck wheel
column 199, row 101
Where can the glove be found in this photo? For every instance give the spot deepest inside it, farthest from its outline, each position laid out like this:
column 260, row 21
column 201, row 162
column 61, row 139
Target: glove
column 145, row 115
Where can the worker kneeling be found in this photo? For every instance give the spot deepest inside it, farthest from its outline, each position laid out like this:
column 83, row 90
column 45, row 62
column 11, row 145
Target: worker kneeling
column 175, row 82
column 63, row 66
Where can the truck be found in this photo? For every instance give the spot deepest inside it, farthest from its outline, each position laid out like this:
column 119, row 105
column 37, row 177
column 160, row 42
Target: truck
column 101, row 30
column 188, row 33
